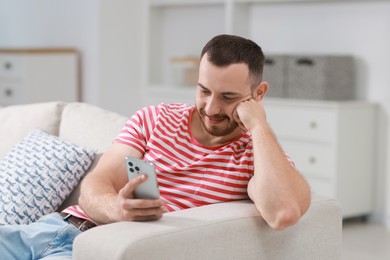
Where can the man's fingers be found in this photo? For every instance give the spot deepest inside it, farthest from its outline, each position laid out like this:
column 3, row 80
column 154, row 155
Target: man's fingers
column 142, row 204
column 244, row 99
column 132, row 209
column 147, row 218
column 238, row 120
column 142, row 210
column 148, row 212
column 128, row 189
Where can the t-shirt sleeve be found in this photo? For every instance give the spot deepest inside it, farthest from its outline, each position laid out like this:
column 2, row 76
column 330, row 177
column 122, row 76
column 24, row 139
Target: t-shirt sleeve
column 137, row 130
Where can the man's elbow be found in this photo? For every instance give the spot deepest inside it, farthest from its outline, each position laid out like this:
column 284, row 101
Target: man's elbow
column 288, row 215
column 285, row 218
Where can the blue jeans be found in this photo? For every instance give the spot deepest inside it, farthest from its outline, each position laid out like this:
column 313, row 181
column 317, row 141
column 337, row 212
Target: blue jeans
column 48, row 238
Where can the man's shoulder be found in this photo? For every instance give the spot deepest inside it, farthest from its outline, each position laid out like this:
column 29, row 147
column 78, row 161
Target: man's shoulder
column 155, row 112
column 173, row 108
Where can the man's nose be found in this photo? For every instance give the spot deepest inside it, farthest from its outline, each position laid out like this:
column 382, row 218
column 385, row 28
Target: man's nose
column 212, row 106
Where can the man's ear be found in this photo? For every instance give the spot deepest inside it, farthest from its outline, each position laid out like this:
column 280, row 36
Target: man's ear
column 260, row 91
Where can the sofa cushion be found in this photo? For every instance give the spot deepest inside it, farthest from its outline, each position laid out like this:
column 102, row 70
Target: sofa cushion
column 16, row 121
column 90, row 126
column 37, row 175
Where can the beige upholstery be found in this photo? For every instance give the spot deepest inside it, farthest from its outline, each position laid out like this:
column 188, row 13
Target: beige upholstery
column 90, row 126
column 17, row 121
column 232, row 230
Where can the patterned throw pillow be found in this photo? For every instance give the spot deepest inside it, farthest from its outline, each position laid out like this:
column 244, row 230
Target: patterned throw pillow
column 37, row 175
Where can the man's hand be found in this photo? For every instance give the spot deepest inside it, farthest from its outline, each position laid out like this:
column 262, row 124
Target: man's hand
column 131, row 209
column 249, row 113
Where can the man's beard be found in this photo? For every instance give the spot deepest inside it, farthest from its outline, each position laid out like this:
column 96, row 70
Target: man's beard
column 214, row 130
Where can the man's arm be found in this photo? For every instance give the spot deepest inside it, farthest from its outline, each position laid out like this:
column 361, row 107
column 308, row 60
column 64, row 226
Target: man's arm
column 107, row 195
column 279, row 192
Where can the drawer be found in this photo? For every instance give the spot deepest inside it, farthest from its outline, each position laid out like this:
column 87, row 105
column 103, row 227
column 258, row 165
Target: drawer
column 11, row 66
column 322, row 187
column 302, row 123
column 316, row 159
column 10, row 94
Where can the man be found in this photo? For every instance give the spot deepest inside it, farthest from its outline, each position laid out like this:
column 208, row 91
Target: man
column 221, row 149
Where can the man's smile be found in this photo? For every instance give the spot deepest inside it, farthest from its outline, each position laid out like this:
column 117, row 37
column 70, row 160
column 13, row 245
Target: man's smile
column 212, row 120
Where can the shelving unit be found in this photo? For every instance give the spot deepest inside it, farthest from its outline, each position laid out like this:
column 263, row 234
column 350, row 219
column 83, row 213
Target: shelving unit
column 171, row 26
column 180, row 28
column 331, row 148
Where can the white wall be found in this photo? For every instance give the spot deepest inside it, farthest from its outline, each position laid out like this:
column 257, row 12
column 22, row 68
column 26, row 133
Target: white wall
column 121, row 55
column 47, row 23
column 108, row 35
column 361, row 29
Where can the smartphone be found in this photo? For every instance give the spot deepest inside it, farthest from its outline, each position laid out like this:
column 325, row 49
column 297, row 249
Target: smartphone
column 149, row 188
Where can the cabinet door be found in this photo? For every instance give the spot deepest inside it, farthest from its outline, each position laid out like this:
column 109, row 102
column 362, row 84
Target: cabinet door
column 302, row 123
column 38, row 75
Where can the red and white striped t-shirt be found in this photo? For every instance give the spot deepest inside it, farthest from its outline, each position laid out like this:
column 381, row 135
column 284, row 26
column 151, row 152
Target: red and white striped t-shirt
column 189, row 174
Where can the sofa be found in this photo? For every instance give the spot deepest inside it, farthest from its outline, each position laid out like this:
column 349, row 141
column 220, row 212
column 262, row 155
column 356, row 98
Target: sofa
column 233, row 230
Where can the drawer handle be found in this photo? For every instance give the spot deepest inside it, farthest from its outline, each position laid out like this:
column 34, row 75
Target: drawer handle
column 8, row 92
column 305, row 62
column 312, row 160
column 313, row 124
column 8, row 65
column 269, row 62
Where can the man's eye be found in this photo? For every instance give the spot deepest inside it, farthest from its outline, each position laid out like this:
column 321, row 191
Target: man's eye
column 228, row 98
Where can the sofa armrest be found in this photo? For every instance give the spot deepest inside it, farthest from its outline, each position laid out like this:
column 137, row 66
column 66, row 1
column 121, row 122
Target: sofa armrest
column 232, row 230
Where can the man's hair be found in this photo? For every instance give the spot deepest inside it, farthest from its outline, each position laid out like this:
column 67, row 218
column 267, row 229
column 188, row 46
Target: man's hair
column 224, row 50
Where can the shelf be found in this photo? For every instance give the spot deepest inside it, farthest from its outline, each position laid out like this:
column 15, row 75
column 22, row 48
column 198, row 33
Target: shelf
column 171, row 30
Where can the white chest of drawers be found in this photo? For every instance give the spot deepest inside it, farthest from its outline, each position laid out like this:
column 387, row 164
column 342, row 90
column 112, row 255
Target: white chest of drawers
column 333, row 146
column 38, row 75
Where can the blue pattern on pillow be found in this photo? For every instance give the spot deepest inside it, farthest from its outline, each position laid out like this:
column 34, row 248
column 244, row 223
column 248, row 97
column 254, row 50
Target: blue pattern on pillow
column 38, row 174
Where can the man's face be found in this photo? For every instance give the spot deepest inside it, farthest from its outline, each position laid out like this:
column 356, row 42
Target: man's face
column 219, row 91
